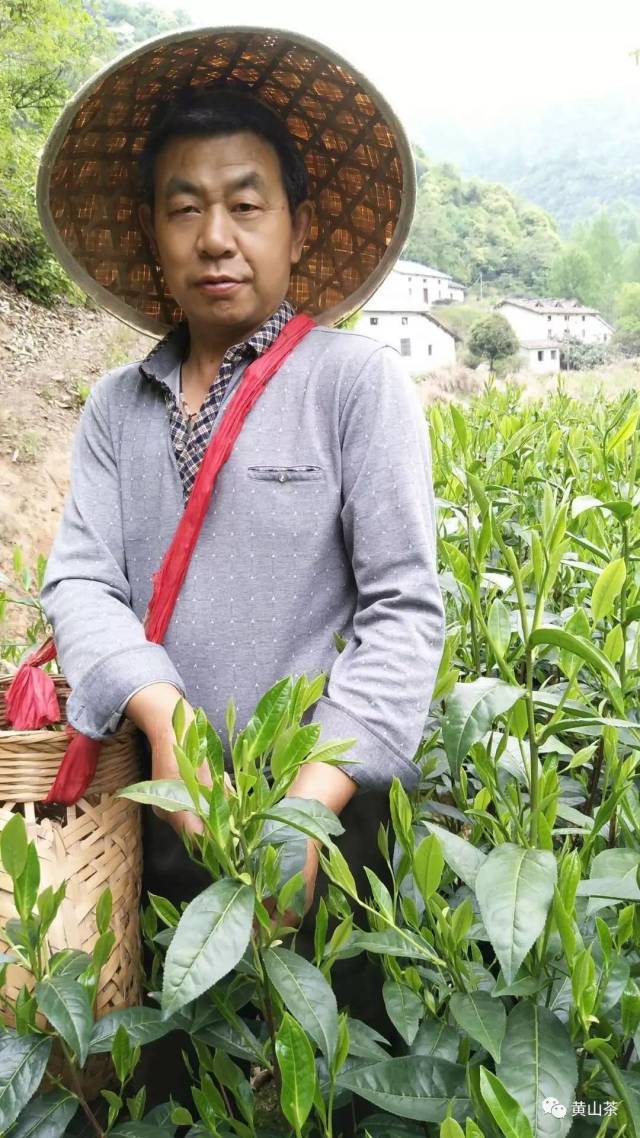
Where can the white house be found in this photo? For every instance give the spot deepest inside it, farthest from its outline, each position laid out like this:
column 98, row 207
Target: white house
column 418, row 286
column 541, row 356
column 543, row 318
column 423, row 342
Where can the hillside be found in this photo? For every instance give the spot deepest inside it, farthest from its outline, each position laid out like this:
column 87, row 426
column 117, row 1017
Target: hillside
column 572, row 159
column 47, row 358
column 468, row 226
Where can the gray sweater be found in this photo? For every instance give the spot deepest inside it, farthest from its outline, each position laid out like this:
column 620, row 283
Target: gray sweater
column 321, row 521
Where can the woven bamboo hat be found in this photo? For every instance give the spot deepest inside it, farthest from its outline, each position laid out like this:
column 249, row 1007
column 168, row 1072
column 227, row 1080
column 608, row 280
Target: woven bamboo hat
column 358, row 159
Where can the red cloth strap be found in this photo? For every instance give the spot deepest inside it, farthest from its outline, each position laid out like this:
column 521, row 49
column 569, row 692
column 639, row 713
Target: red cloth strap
column 31, row 694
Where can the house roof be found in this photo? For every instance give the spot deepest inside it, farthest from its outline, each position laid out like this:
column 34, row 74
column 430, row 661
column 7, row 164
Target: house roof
column 388, row 310
column 549, row 306
column 536, row 345
column 415, row 268
column 380, row 302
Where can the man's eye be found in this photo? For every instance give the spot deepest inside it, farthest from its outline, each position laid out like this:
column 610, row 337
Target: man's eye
column 245, row 206
column 183, row 209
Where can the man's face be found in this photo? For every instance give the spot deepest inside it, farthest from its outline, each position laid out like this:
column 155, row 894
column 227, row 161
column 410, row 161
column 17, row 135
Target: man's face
column 221, row 211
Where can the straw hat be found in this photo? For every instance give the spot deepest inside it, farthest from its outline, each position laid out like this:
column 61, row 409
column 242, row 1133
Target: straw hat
column 358, row 158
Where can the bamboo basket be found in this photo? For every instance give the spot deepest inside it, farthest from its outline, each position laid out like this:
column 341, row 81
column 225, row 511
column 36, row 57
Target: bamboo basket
column 91, row 845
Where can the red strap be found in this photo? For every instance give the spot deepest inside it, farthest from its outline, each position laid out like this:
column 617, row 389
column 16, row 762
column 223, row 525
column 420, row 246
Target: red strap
column 168, row 579
column 80, row 759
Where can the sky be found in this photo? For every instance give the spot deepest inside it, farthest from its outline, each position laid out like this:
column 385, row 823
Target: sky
column 462, row 60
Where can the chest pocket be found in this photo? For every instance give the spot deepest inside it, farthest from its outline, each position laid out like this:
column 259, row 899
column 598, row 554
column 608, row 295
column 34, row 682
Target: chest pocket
column 286, row 473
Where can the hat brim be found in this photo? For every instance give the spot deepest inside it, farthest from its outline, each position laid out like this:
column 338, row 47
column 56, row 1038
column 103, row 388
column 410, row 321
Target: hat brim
column 358, row 158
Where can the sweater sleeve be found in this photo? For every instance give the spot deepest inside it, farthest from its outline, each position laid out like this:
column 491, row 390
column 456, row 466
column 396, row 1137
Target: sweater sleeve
column 379, row 689
column 102, row 647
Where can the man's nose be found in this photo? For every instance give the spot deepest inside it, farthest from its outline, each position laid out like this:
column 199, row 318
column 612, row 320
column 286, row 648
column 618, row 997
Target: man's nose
column 216, row 233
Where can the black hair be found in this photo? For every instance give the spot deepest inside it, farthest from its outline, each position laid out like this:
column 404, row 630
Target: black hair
column 222, row 111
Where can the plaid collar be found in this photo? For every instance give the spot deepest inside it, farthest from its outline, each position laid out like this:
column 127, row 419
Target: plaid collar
column 169, row 352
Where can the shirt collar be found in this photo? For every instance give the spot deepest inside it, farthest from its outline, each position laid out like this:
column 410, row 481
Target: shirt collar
column 168, row 353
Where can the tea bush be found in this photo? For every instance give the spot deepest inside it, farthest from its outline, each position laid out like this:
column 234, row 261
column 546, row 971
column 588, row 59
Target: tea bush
column 508, row 934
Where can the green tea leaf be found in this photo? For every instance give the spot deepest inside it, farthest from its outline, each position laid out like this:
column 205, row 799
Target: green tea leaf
column 297, row 1070
column 23, row 1059
column 607, row 588
column 306, row 995
column 514, row 889
column 410, row 1087
column 142, row 1025
column 471, row 710
column 538, row 1064
column 13, row 846
column 404, row 1008
column 66, row 1005
column 46, row 1116
column 210, row 939
column 482, row 1017
column 506, row 1112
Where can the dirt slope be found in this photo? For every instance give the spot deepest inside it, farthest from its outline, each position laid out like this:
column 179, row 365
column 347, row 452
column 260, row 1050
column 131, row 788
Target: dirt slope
column 46, row 358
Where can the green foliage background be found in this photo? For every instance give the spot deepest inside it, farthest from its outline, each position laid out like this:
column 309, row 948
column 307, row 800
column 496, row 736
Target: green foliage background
column 476, row 230
column 48, row 48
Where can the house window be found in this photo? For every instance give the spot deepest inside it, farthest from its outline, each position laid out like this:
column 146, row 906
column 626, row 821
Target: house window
column 554, row 353
column 549, row 333
column 373, row 319
column 540, row 355
column 566, row 319
column 425, row 295
column 583, row 319
column 405, row 319
column 405, row 347
column 583, row 333
column 429, row 349
column 604, row 339
column 549, row 319
column 410, row 291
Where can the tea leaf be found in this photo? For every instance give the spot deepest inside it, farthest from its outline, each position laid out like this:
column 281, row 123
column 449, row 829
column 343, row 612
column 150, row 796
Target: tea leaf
column 46, row 1116
column 505, row 1110
column 66, row 1005
column 306, row 995
column 210, row 939
column 539, row 1064
column 298, row 1072
column 13, row 846
column 514, row 888
column 410, row 1087
column 607, row 588
column 482, row 1017
column 23, row 1059
column 404, row 1008
column 471, row 710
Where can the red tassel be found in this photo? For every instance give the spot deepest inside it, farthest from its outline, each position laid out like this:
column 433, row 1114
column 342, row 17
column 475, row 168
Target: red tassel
column 31, row 701
column 76, row 770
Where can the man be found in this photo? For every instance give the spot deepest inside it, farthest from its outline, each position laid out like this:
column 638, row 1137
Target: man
column 321, row 521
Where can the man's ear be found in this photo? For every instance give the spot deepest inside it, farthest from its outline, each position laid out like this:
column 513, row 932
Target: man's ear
column 301, row 222
column 145, row 217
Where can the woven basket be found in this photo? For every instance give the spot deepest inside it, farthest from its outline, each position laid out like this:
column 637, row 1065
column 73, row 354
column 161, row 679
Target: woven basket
column 92, row 845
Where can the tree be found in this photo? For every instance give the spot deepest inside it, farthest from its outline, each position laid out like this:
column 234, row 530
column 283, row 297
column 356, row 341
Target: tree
column 47, row 48
column 572, row 274
column 628, row 308
column 492, row 338
column 627, row 335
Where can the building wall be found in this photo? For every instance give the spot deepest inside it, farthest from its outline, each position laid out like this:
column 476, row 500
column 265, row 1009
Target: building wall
column 414, row 289
column 428, row 345
column 540, row 325
column 549, row 364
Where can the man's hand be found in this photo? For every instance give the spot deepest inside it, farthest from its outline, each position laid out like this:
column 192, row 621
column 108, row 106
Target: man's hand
column 152, row 709
column 332, row 787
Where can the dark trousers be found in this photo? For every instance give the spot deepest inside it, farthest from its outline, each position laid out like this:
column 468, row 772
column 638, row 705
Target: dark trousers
column 356, row 981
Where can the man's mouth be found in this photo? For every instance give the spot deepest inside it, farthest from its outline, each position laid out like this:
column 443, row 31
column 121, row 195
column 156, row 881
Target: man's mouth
column 218, row 285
